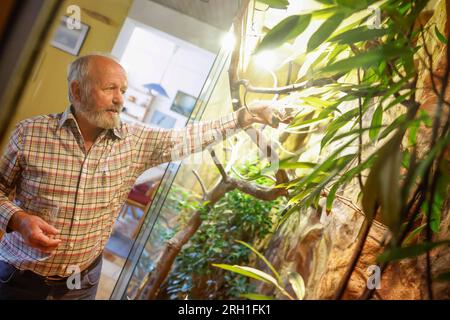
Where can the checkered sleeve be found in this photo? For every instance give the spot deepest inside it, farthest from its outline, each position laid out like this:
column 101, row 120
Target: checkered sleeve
column 165, row 145
column 10, row 170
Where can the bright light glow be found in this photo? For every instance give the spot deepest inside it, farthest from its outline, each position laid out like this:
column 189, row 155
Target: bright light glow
column 228, row 42
column 266, row 59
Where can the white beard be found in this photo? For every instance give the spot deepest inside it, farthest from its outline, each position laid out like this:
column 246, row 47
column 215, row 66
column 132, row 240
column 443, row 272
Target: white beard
column 100, row 119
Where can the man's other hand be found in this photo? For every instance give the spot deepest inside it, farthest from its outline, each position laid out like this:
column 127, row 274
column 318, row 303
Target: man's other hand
column 263, row 112
column 35, row 231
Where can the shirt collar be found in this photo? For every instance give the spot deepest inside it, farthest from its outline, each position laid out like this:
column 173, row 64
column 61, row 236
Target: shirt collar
column 68, row 114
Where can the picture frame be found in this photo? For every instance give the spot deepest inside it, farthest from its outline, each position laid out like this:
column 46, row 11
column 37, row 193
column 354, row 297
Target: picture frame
column 183, row 103
column 69, row 40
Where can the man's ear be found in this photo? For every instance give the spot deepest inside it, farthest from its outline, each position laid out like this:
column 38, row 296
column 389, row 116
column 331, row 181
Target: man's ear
column 75, row 90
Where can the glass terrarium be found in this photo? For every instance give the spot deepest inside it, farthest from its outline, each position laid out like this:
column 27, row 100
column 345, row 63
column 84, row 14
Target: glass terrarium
column 178, row 192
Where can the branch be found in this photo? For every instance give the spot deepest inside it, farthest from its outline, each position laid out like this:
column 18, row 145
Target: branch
column 257, row 191
column 288, row 88
column 281, row 175
column 444, row 79
column 235, row 56
column 364, row 232
column 202, row 185
column 218, row 164
column 348, row 202
column 309, row 84
column 360, row 142
column 152, row 283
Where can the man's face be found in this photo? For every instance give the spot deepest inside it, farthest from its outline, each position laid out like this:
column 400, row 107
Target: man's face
column 102, row 103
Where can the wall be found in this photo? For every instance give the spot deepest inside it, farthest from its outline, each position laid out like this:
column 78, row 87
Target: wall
column 152, row 56
column 46, row 92
column 177, row 24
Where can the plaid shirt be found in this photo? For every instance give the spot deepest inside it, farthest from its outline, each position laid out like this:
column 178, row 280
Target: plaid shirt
column 78, row 192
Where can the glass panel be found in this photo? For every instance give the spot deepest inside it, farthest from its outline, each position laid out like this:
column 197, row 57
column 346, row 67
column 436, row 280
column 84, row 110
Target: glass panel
column 162, row 215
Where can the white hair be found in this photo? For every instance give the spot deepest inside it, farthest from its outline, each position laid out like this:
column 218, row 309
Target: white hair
column 78, row 70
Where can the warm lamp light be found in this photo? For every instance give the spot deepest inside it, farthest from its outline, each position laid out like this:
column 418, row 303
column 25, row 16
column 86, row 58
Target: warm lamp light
column 228, row 42
column 266, row 59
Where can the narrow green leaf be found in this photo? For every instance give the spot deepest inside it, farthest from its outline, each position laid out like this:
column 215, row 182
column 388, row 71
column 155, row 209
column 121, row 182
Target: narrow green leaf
column 409, row 251
column 277, row 275
column 256, row 296
column 352, row 4
column 406, row 159
column 412, row 136
column 276, row 4
column 327, row 2
column 353, row 132
column 338, row 49
column 325, row 12
column 425, row 118
column 320, row 59
column 443, row 277
column 298, row 285
column 289, row 28
column 248, row 272
column 317, row 102
column 394, row 88
column 306, row 123
column 440, row 195
column 330, row 163
column 358, row 34
column 423, row 165
column 397, row 100
column 397, row 123
column 414, row 233
column 365, row 59
column 347, row 176
column 377, row 120
column 325, row 30
column 440, row 36
column 382, row 185
column 297, row 165
column 336, row 124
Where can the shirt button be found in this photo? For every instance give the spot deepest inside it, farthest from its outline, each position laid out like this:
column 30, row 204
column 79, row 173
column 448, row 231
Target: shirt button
column 70, row 245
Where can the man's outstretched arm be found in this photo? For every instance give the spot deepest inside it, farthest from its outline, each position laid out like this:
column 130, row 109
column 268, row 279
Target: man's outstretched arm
column 165, row 145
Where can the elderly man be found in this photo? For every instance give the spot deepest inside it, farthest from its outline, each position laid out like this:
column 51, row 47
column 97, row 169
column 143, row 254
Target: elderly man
column 72, row 173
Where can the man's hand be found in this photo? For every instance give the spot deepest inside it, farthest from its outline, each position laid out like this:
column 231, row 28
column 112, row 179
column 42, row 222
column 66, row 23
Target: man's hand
column 35, row 231
column 262, row 112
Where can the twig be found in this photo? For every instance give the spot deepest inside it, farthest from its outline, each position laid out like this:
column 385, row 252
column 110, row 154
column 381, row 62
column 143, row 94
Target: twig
column 444, row 79
column 364, row 232
column 202, row 185
column 360, row 142
column 235, row 57
column 218, row 164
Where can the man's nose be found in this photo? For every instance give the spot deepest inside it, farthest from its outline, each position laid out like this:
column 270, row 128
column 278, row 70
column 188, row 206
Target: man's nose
column 118, row 97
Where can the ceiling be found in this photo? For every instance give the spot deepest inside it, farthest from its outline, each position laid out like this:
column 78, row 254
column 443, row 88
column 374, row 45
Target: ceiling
column 218, row 13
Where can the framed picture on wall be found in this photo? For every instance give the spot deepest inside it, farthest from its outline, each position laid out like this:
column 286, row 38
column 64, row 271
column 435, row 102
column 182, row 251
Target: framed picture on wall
column 70, row 38
column 162, row 120
column 183, row 103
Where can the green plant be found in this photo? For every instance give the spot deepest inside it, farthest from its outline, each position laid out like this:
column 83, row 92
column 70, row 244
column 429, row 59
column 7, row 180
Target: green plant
column 353, row 88
column 295, row 279
column 235, row 216
column 359, row 82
